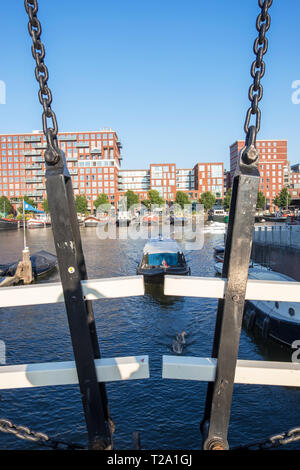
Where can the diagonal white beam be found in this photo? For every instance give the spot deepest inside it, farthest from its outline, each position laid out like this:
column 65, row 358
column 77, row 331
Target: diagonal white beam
column 64, row 373
column 247, row 372
column 211, row 287
column 52, row 292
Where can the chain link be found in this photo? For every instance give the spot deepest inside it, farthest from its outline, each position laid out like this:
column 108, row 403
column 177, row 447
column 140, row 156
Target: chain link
column 293, row 435
column 52, row 154
column 23, row 432
column 260, row 48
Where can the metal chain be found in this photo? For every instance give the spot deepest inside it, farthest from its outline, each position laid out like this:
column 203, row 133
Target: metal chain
column 258, row 66
column 23, row 432
column 53, row 154
column 293, row 435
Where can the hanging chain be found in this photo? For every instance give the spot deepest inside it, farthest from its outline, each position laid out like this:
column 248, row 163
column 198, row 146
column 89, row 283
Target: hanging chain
column 293, row 435
column 52, row 154
column 23, row 432
column 258, row 66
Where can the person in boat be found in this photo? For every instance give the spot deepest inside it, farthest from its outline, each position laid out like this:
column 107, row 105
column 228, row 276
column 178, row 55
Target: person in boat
column 178, row 342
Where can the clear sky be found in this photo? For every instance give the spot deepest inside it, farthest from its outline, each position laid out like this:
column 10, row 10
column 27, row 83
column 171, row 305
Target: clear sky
column 171, row 77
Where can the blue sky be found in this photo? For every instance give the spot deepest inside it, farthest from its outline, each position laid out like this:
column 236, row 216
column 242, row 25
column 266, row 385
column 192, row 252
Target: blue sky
column 170, row 77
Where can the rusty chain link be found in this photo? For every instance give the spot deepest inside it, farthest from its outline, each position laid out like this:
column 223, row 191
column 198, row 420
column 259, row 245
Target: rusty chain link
column 293, row 435
column 23, row 432
column 52, row 154
column 258, row 66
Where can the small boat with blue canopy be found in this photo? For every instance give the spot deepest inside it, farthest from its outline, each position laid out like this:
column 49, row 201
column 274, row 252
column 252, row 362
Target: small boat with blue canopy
column 160, row 257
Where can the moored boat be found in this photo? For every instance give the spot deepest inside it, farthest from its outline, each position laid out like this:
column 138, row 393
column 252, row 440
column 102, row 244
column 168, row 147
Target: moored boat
column 38, row 223
column 8, row 224
column 160, row 257
column 279, row 321
column 42, row 263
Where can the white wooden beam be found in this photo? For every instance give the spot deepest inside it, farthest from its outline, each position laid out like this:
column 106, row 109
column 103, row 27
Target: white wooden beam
column 211, row 287
column 247, row 372
column 64, row 373
column 52, row 292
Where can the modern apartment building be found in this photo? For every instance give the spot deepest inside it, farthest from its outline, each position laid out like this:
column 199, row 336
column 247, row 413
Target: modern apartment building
column 273, row 166
column 93, row 159
column 94, row 162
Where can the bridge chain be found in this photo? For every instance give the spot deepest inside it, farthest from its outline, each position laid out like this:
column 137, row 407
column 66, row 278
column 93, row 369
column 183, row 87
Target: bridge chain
column 23, row 432
column 293, row 435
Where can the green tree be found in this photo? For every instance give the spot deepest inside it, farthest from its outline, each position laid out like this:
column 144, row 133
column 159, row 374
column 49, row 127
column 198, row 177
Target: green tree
column 101, row 199
column 261, row 200
column 227, row 199
column 5, row 205
column 45, row 206
column 132, row 198
column 81, row 203
column 207, row 199
column 154, row 199
column 283, row 199
column 182, row 199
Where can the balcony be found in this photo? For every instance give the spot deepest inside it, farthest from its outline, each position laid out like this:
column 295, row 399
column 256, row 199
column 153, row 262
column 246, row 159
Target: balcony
column 41, row 146
column 33, row 167
column 33, row 138
column 96, row 151
column 67, row 138
column 71, row 159
column 34, row 180
column 120, row 146
column 33, row 152
column 82, row 145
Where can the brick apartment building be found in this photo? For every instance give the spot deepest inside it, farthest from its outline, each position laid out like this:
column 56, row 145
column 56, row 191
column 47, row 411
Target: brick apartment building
column 273, row 166
column 94, row 162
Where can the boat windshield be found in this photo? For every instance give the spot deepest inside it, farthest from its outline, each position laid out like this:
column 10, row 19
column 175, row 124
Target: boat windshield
column 160, row 259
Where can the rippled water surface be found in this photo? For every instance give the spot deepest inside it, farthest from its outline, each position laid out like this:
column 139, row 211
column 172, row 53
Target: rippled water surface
column 166, row 412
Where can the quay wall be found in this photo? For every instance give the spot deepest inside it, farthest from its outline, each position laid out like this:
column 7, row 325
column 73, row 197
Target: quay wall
column 279, row 248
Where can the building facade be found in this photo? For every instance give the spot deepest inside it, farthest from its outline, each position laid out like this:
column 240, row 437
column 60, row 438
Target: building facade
column 273, row 166
column 94, row 162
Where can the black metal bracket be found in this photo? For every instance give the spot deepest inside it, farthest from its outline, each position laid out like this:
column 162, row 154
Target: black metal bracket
column 214, row 426
column 79, row 311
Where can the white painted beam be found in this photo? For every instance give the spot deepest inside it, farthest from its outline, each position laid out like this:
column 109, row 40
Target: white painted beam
column 64, row 373
column 247, row 372
column 211, row 287
column 52, row 292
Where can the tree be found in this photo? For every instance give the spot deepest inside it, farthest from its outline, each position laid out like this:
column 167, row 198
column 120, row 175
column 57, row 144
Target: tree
column 283, row 199
column 45, row 206
column 101, row 199
column 81, row 203
column 182, row 199
column 5, row 205
column 154, row 199
column 207, row 199
column 132, row 198
column 227, row 199
column 261, row 200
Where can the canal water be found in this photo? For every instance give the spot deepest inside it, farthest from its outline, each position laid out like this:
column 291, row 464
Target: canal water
column 166, row 412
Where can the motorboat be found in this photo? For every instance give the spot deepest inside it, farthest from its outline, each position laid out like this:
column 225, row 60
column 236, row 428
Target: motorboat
column 42, row 263
column 162, row 256
column 91, row 221
column 274, row 319
column 38, row 223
